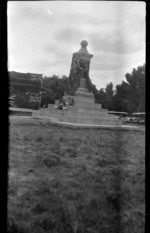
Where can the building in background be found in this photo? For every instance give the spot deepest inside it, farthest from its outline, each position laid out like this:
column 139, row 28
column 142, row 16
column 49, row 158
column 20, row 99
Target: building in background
column 25, row 89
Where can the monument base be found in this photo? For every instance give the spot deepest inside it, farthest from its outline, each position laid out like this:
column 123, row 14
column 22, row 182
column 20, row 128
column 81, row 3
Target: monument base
column 84, row 111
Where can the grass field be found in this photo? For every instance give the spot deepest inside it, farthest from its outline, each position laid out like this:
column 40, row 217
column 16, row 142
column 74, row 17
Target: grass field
column 74, row 180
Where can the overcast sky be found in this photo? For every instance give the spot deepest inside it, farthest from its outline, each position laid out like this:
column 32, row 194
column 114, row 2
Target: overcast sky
column 43, row 35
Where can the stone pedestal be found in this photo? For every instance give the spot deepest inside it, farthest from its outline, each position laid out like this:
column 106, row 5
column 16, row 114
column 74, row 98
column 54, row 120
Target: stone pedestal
column 84, row 110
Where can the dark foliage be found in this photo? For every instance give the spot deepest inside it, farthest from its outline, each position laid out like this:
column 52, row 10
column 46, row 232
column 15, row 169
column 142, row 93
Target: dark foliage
column 129, row 96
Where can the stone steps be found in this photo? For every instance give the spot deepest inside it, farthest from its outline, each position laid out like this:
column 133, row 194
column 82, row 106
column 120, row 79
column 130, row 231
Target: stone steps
column 84, row 111
column 79, row 118
column 80, row 105
column 78, row 113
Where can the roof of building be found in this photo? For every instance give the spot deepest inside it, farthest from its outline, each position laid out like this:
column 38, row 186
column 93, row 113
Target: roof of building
column 25, row 79
column 27, row 76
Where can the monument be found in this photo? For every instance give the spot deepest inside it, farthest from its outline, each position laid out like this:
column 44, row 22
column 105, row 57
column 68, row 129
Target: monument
column 85, row 110
column 80, row 68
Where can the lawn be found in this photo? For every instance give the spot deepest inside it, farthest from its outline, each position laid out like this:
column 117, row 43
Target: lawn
column 75, row 180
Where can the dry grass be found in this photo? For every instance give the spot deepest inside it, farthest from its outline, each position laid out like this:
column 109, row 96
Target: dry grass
column 66, row 180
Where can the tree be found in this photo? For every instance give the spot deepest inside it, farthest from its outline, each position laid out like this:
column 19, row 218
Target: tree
column 102, row 97
column 54, row 87
column 136, row 82
column 120, row 99
column 109, row 96
column 130, row 95
column 66, row 83
column 106, row 96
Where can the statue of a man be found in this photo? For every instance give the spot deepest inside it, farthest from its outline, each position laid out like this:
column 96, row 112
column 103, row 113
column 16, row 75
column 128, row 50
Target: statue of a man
column 80, row 66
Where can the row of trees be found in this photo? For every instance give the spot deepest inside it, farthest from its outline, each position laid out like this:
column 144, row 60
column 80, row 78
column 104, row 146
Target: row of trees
column 129, row 96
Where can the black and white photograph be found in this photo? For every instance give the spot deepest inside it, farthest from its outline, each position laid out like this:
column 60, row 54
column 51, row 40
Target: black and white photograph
column 76, row 161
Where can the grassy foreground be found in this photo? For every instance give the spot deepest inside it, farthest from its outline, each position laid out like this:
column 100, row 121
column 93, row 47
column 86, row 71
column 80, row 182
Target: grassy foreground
column 75, row 181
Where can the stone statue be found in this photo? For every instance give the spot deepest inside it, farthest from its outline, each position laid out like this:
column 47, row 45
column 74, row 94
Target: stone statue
column 80, row 66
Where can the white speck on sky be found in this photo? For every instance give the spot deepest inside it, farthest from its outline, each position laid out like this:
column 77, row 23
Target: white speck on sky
column 50, row 13
column 42, row 35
